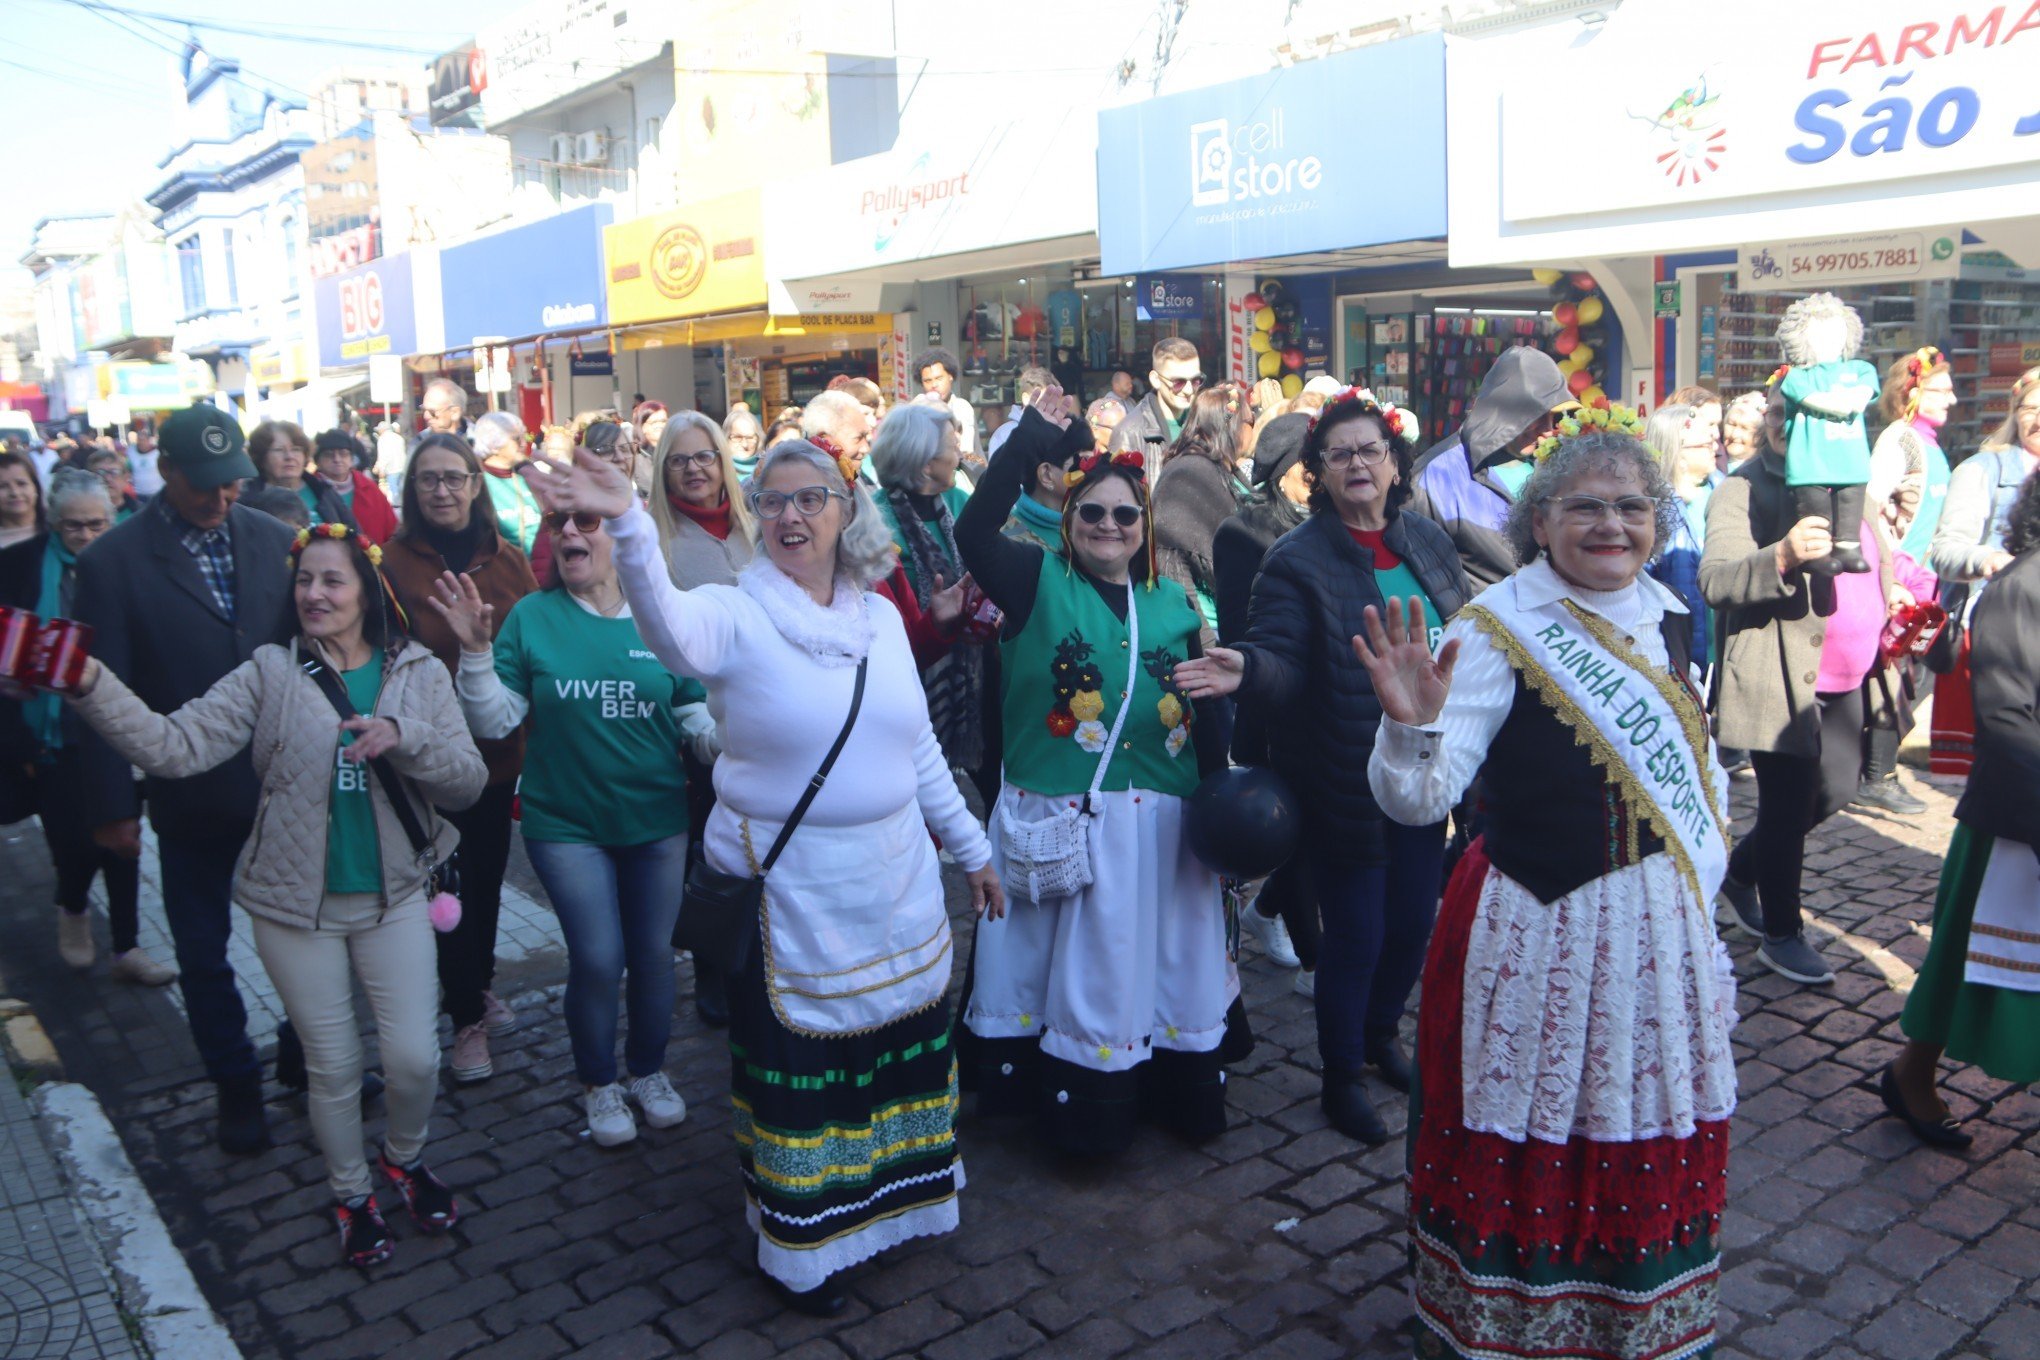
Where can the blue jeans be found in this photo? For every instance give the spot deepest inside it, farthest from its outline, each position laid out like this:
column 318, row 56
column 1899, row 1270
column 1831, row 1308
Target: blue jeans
column 1377, row 922
column 198, row 897
column 616, row 905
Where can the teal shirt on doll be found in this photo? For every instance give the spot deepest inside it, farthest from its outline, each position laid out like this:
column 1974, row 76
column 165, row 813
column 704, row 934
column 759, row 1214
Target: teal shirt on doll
column 1822, row 446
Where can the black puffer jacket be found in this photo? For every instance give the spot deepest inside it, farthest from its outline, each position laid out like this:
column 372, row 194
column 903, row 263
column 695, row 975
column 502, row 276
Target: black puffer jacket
column 1301, row 671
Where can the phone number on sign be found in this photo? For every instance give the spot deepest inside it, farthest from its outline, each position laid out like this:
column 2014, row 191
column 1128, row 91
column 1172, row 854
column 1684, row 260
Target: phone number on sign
column 1846, row 262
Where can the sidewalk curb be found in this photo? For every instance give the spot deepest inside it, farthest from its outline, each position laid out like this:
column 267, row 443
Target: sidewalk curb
column 155, row 1285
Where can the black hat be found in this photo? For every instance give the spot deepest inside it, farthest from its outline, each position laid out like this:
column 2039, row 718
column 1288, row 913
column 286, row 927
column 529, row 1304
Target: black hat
column 1278, row 445
column 206, row 445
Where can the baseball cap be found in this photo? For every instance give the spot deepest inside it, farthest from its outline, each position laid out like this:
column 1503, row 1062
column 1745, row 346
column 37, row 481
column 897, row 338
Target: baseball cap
column 206, row 445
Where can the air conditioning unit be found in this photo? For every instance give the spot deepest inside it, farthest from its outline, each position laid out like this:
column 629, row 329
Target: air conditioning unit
column 563, row 148
column 591, row 148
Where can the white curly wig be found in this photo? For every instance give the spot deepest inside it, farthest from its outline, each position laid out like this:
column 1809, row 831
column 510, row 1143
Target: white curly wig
column 1809, row 310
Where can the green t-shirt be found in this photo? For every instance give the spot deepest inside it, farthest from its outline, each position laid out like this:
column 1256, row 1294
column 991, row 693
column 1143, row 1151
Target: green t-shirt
column 602, row 755
column 1400, row 583
column 309, row 494
column 517, row 512
column 353, row 850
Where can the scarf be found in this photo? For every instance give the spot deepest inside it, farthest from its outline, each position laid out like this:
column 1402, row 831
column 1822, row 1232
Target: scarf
column 1044, row 523
column 458, row 548
column 744, row 466
column 715, row 523
column 834, row 637
column 955, row 684
column 43, row 711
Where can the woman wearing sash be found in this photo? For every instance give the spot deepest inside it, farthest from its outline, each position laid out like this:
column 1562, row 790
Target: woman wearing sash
column 841, row 1074
column 1977, row 997
column 1574, row 1074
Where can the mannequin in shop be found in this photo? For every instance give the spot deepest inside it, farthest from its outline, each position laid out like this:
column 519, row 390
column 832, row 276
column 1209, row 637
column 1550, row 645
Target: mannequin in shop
column 1827, row 448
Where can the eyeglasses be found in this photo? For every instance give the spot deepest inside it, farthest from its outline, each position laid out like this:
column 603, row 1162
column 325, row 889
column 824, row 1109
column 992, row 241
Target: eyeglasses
column 809, row 500
column 1125, row 516
column 83, row 526
column 583, row 520
column 1368, row 455
column 443, row 481
column 1189, row 384
column 701, row 459
column 749, row 441
column 1588, row 511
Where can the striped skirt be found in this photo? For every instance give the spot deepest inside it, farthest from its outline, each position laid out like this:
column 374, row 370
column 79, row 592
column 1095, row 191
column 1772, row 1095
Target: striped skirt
column 847, row 1143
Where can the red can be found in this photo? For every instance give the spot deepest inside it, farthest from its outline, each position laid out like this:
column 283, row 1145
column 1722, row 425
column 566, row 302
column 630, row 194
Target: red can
column 981, row 618
column 57, row 660
column 18, row 629
column 1912, row 630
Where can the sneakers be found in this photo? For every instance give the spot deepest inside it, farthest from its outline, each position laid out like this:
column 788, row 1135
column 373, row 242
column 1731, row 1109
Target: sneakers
column 74, row 939
column 364, row 1237
column 244, row 1127
column 471, row 1053
column 1794, row 958
column 1274, row 937
column 609, row 1120
column 1887, row 795
column 425, row 1195
column 135, row 965
column 1743, row 912
column 662, row 1104
column 1306, row 983
column 497, row 1017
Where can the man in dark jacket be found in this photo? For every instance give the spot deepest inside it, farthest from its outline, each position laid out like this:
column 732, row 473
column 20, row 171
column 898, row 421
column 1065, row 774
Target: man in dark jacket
column 178, row 596
column 1177, row 377
column 1467, row 483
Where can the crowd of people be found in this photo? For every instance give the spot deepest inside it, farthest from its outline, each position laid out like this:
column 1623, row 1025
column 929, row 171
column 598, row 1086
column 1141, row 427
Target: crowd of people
column 737, row 681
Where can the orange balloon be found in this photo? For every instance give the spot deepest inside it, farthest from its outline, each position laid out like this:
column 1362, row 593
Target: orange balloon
column 1565, row 314
column 1579, row 382
column 1567, row 340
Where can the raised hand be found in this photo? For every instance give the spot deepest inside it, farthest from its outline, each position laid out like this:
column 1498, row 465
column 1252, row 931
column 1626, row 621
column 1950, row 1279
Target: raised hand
column 1212, row 676
column 945, row 605
column 461, row 605
column 1055, row 408
column 1409, row 682
column 587, row 485
column 373, row 737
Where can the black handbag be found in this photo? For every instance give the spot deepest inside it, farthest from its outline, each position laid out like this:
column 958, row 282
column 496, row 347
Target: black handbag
column 719, row 913
column 442, row 876
column 1946, row 649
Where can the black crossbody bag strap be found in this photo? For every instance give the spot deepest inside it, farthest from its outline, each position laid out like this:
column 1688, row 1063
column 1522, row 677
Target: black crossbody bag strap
column 392, row 782
column 814, row 787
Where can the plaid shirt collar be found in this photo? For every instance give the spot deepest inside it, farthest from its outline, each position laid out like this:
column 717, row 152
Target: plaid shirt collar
column 212, row 549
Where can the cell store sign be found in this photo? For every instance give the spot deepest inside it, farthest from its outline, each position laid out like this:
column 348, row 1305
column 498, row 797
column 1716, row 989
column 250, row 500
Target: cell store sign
column 366, row 311
column 1169, row 297
column 543, row 278
column 1278, row 164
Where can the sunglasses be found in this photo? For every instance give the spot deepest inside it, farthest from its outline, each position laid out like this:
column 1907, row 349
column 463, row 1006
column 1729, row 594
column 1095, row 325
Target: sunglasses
column 1125, row 516
column 586, row 522
column 1191, row 383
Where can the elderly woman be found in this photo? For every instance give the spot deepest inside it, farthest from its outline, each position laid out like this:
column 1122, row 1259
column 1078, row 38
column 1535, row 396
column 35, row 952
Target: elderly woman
column 1197, row 490
column 1977, row 998
column 39, row 751
column 1569, row 1166
column 1688, row 464
column 698, row 503
column 1742, row 430
column 1376, row 879
column 501, row 443
column 282, row 454
column 745, row 439
column 841, row 1073
column 1108, row 994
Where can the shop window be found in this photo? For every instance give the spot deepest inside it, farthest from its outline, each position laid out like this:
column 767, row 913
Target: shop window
column 191, row 274
column 233, row 282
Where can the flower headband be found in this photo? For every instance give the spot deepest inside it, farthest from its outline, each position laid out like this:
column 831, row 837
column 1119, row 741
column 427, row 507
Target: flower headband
column 844, row 463
column 1777, row 375
column 1614, row 419
column 335, row 530
column 1918, row 365
column 1091, row 463
column 1399, row 422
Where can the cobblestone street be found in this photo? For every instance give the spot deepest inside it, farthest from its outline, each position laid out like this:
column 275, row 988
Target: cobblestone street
column 1844, row 1239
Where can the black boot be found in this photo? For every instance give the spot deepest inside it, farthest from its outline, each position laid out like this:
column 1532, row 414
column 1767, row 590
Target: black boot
column 711, row 995
column 1346, row 1104
column 1817, row 502
column 244, row 1127
column 823, row 1301
column 1848, row 530
column 1392, row 1063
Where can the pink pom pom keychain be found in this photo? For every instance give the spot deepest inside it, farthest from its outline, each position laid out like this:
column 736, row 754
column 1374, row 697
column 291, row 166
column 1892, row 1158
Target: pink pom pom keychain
column 445, row 912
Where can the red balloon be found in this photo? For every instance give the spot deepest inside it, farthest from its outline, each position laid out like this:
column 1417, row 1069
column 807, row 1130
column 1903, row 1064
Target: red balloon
column 1252, row 302
column 1583, row 282
column 1580, row 382
column 1567, row 340
column 1292, row 357
column 1565, row 314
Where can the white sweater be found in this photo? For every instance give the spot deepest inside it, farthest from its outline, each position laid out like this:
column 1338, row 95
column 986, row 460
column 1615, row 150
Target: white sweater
column 779, row 710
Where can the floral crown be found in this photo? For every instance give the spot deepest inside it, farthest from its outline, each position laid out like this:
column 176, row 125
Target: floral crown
column 1398, row 422
column 1614, row 419
column 1777, row 375
column 1092, row 463
column 336, row 531
column 844, row 463
column 1918, row 365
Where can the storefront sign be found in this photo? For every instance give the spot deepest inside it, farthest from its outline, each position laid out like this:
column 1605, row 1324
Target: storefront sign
column 155, row 386
column 940, row 193
column 342, row 251
column 458, row 79
column 1884, row 115
column 1880, row 258
column 1169, row 297
column 1666, row 301
column 552, row 48
column 366, row 312
column 1255, row 169
column 275, row 365
column 538, row 279
column 695, row 261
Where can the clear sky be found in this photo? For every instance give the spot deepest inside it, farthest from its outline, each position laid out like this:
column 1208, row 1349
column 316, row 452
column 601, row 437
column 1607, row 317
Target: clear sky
column 91, row 85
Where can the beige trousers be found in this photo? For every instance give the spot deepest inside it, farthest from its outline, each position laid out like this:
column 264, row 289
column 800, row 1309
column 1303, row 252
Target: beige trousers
column 313, row 971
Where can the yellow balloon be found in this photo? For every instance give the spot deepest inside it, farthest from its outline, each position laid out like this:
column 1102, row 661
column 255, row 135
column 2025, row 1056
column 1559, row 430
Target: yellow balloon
column 1264, row 320
column 1547, row 277
column 1269, row 364
column 1292, row 384
column 1568, row 364
column 1591, row 310
column 1259, row 342
column 1592, row 395
column 1582, row 356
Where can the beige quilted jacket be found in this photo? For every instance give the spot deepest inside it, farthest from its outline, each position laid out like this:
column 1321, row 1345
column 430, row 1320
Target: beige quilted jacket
column 295, row 734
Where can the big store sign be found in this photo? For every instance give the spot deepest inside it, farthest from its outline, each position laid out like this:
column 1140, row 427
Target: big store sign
column 366, row 312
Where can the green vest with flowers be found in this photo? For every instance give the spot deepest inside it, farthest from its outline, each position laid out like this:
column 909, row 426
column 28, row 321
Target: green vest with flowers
column 1063, row 679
